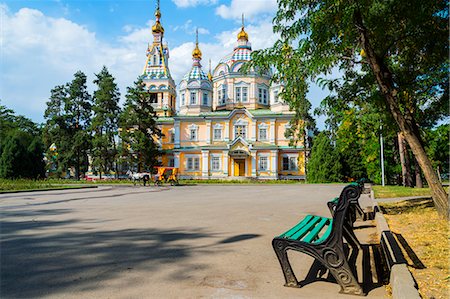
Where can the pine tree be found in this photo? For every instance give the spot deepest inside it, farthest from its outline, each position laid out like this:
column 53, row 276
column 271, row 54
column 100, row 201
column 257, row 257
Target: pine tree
column 139, row 131
column 78, row 113
column 55, row 130
column 105, row 122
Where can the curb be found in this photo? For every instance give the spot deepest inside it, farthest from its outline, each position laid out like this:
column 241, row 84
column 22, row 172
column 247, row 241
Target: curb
column 47, row 189
column 401, row 280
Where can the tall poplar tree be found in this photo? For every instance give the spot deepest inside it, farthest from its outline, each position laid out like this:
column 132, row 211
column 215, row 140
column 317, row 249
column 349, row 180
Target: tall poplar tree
column 139, row 132
column 400, row 46
column 105, row 122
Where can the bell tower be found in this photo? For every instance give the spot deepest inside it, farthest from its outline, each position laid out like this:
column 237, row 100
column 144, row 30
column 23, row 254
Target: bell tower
column 156, row 73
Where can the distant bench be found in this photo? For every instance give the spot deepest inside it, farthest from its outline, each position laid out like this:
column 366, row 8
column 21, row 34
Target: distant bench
column 322, row 238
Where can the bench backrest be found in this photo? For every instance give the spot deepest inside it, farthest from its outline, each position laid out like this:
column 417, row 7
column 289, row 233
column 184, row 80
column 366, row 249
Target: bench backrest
column 342, row 213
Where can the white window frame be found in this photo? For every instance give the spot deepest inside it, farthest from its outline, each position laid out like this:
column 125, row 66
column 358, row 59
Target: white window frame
column 192, row 162
column 222, row 94
column 263, row 126
column 263, row 94
column 276, row 96
column 219, row 136
column 216, row 162
column 205, row 97
column 193, row 99
column 243, row 133
column 292, row 162
column 260, row 163
column 193, row 129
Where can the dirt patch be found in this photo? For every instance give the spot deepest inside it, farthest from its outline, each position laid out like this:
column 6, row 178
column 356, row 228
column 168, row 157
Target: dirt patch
column 222, row 282
column 424, row 238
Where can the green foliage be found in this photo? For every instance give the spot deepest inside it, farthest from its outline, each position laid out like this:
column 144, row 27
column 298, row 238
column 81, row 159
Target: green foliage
column 324, row 164
column 105, row 122
column 438, row 143
column 68, row 119
column 21, row 155
column 139, row 131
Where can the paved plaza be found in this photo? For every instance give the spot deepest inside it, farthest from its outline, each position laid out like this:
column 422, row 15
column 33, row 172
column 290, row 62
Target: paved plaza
column 204, row 241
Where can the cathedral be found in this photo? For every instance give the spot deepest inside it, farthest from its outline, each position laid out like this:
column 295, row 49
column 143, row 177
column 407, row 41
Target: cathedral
column 220, row 124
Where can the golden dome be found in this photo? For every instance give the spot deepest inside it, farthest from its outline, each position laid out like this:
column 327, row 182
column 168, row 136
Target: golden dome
column 158, row 13
column 157, row 28
column 242, row 34
column 197, row 53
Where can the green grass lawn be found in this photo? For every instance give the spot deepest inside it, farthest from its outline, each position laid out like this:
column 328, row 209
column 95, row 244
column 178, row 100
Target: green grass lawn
column 400, row 191
column 7, row 185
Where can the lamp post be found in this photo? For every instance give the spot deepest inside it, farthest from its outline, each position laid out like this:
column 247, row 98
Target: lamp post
column 382, row 155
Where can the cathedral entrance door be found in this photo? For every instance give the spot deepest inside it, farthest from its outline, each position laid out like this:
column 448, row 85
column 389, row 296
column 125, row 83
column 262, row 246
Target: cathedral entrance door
column 239, row 167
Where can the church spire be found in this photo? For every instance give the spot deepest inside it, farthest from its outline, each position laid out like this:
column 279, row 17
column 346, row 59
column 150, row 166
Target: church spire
column 157, row 28
column 242, row 35
column 196, row 53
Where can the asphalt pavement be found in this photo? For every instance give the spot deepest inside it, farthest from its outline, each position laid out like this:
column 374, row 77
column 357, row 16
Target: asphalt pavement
column 204, row 241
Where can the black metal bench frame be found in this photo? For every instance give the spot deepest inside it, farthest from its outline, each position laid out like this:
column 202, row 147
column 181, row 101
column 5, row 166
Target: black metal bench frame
column 330, row 252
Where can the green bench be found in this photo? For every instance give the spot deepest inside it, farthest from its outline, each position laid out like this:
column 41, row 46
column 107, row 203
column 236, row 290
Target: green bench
column 322, row 238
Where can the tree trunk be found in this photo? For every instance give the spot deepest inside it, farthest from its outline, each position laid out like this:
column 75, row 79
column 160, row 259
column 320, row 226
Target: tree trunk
column 404, row 161
column 419, row 182
column 405, row 122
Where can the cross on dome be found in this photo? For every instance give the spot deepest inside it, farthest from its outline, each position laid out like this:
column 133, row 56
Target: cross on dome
column 242, row 35
column 196, row 54
column 157, row 28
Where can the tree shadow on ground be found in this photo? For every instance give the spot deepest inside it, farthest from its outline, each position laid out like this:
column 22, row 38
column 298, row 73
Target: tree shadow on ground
column 367, row 264
column 406, row 206
column 51, row 257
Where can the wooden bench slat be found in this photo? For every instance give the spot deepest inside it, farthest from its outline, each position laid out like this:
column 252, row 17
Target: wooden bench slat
column 306, row 228
column 294, row 229
column 326, row 234
column 313, row 234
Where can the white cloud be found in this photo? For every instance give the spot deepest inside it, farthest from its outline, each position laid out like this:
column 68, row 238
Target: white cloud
column 250, row 8
column 193, row 3
column 40, row 52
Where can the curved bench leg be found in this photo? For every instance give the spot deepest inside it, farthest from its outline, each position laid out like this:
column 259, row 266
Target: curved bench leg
column 279, row 246
column 332, row 257
column 335, row 260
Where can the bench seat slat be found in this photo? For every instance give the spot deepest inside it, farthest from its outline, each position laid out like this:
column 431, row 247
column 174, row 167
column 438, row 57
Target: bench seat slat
column 293, row 230
column 313, row 234
column 306, row 228
column 326, row 234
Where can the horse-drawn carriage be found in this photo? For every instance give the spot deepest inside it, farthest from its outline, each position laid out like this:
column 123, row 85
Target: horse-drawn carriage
column 166, row 175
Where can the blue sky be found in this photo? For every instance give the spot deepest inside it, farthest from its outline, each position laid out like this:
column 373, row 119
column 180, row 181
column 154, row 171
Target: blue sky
column 43, row 43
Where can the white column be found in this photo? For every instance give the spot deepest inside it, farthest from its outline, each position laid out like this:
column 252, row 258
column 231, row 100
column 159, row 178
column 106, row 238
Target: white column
column 274, row 168
column 225, row 163
column 177, row 134
column 253, row 130
column 205, row 163
column 253, row 163
column 176, row 160
column 272, row 131
column 208, row 131
column 227, row 131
